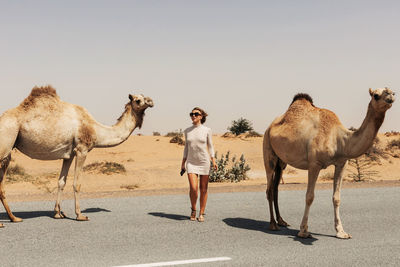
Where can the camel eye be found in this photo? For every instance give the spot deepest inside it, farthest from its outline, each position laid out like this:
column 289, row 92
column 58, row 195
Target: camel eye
column 138, row 102
column 376, row 96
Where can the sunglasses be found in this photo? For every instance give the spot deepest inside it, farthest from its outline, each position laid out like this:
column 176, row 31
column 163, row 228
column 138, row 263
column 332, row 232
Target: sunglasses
column 196, row 114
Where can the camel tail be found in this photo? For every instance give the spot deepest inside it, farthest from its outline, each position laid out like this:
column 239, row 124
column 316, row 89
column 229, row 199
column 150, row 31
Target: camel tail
column 277, row 174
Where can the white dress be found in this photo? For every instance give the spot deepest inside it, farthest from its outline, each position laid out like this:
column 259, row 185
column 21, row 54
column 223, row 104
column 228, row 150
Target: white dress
column 198, row 149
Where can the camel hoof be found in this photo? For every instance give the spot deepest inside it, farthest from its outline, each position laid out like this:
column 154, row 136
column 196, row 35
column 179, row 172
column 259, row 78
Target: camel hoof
column 304, row 234
column 343, row 235
column 1, row 225
column 82, row 218
column 281, row 222
column 59, row 215
column 16, row 220
column 273, row 227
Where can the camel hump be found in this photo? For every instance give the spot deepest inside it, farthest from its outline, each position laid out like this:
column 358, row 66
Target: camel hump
column 37, row 93
column 303, row 96
column 43, row 91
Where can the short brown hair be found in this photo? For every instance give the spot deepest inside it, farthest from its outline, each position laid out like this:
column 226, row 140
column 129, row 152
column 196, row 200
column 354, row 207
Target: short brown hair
column 203, row 114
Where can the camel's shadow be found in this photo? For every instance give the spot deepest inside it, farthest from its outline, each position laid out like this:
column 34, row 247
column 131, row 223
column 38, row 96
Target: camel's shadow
column 46, row 213
column 176, row 217
column 262, row 226
column 28, row 214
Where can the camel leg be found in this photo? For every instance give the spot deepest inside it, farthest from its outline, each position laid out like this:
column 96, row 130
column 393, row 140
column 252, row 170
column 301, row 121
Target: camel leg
column 269, row 169
column 4, row 165
column 337, row 183
column 278, row 176
column 312, row 179
column 271, row 164
column 270, row 196
column 58, row 214
column 79, row 161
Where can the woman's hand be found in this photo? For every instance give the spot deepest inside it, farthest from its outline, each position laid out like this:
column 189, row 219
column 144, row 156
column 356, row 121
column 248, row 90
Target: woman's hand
column 215, row 166
column 183, row 165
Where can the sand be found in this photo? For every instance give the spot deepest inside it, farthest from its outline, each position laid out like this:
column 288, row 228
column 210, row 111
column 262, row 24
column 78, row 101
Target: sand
column 152, row 164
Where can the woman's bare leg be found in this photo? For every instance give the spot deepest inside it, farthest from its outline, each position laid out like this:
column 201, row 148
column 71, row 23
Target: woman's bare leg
column 193, row 181
column 203, row 193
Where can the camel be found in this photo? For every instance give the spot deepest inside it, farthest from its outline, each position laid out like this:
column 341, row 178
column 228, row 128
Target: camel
column 310, row 138
column 46, row 128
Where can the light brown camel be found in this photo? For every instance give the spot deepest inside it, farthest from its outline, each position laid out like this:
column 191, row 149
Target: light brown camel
column 311, row 138
column 46, row 128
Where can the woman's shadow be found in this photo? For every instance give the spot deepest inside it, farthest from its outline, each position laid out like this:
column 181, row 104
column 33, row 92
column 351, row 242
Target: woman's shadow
column 262, row 226
column 176, row 217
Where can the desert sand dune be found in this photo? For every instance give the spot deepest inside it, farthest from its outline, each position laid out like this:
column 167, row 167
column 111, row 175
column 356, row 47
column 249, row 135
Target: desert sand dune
column 152, row 162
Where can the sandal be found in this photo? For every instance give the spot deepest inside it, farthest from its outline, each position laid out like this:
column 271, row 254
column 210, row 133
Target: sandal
column 193, row 215
column 201, row 218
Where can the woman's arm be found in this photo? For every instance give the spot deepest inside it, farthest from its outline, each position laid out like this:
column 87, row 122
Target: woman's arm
column 185, row 154
column 211, row 149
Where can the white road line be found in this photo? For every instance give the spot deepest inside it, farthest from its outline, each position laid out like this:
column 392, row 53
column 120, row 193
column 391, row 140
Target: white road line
column 169, row 263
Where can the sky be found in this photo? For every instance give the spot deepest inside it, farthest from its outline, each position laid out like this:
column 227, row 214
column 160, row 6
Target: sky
column 232, row 58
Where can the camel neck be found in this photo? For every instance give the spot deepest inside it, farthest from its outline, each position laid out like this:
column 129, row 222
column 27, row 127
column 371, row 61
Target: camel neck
column 108, row 136
column 362, row 139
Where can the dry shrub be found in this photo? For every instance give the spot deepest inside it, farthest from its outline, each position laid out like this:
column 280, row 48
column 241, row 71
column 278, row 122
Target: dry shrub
column 129, row 186
column 360, row 169
column 173, row 134
column 228, row 135
column 253, row 134
column 16, row 173
column 176, row 137
column 177, row 140
column 290, row 171
column 392, row 133
column 328, row 176
column 393, row 144
column 376, row 152
column 393, row 148
column 105, row 167
column 156, row 134
column 242, row 135
column 44, row 182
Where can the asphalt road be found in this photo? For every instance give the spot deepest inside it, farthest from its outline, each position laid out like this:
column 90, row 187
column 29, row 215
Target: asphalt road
column 138, row 230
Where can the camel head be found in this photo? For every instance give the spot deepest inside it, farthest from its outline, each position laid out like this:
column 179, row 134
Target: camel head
column 381, row 98
column 140, row 102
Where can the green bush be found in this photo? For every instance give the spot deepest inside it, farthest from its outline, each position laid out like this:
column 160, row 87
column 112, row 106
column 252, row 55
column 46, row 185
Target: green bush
column 240, row 126
column 234, row 173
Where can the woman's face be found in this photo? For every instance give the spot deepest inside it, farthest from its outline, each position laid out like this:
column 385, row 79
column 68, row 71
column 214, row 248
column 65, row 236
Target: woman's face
column 196, row 116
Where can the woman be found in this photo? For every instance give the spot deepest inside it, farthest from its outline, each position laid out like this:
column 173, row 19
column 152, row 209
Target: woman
column 197, row 160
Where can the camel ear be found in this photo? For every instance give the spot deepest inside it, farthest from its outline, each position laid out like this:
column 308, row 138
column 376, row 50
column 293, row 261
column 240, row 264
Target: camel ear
column 130, row 97
column 371, row 92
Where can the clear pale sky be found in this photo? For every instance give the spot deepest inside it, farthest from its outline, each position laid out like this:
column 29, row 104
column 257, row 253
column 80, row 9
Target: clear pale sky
column 232, row 58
